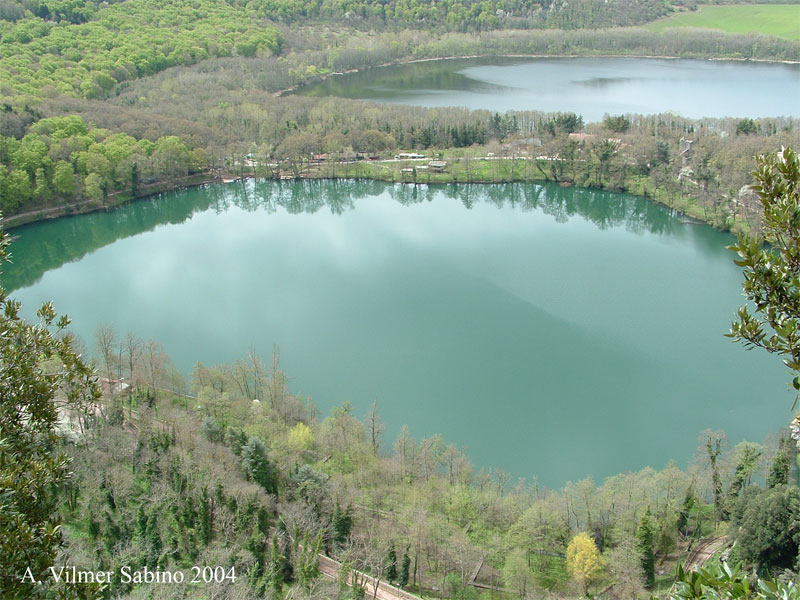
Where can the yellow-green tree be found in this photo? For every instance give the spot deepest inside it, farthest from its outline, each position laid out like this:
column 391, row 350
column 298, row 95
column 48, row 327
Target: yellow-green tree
column 300, row 438
column 584, row 561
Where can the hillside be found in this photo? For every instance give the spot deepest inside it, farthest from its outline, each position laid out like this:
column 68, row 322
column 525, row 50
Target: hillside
column 129, row 69
column 172, row 480
column 227, row 475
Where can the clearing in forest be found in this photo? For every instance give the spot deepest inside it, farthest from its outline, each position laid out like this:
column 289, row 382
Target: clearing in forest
column 781, row 20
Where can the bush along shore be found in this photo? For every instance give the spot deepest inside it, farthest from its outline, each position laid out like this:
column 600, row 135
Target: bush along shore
column 699, row 167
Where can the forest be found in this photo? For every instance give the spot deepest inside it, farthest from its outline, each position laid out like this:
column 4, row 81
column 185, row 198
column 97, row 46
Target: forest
column 128, row 69
column 72, row 58
column 62, row 160
column 120, row 461
column 125, row 465
column 230, row 468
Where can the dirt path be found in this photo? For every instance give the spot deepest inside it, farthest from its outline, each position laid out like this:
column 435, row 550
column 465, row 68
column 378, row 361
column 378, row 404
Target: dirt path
column 384, row 591
column 703, row 551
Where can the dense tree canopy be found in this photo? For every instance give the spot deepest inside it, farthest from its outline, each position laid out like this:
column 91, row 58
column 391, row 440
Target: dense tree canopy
column 84, row 49
column 61, row 159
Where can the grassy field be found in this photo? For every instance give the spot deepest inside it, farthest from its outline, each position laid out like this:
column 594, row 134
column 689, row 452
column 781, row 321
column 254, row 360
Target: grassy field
column 781, row 20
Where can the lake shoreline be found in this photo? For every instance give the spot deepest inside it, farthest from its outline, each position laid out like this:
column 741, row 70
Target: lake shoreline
column 113, row 201
column 200, row 180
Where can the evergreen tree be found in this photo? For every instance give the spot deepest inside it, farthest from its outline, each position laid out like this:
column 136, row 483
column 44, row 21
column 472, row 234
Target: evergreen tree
column 749, row 454
column 91, row 525
column 287, row 567
column 235, row 439
column 341, row 522
column 746, row 127
column 766, row 526
column 391, row 568
column 713, row 448
column 257, row 465
column 277, row 563
column 153, row 541
column 188, row 515
column 141, row 521
column 109, row 494
column 645, row 535
column 689, row 501
column 211, row 429
column 134, row 180
column 112, row 532
column 307, row 567
column 405, row 566
column 779, row 470
column 205, row 516
column 342, row 577
column 257, row 546
column 263, row 519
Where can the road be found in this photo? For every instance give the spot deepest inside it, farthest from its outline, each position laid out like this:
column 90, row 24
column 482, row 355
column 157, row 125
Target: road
column 330, row 568
column 703, row 551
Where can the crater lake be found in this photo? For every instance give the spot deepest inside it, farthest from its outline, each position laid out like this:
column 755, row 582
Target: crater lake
column 552, row 332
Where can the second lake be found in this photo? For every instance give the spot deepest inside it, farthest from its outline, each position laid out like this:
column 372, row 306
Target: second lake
column 590, row 87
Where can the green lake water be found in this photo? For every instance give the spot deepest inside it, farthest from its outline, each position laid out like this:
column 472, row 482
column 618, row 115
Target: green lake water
column 552, row 332
column 590, row 87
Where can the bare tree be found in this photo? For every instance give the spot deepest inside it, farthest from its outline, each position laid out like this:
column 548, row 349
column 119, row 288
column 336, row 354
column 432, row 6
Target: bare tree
column 367, row 552
column 132, row 349
column 277, row 381
column 241, row 374
column 714, row 442
column 258, row 373
column 155, row 364
column 625, row 565
column 405, row 448
column 430, row 455
column 106, row 344
column 456, row 462
column 376, row 427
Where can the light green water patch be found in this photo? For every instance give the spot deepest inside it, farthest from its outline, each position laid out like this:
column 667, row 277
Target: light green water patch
column 552, row 332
